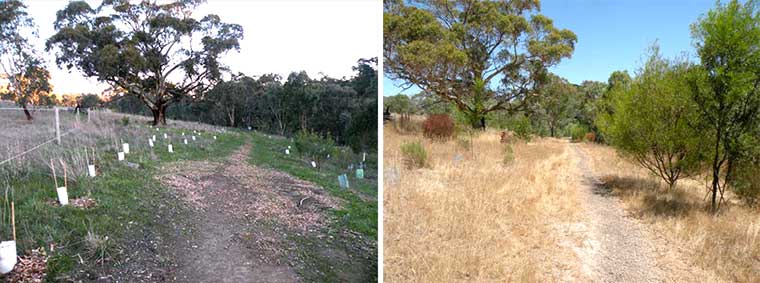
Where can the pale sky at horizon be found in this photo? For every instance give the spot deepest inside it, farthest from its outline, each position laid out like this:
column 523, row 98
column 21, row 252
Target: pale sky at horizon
column 319, row 37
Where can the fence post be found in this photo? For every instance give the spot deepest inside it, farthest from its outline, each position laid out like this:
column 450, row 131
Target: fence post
column 57, row 126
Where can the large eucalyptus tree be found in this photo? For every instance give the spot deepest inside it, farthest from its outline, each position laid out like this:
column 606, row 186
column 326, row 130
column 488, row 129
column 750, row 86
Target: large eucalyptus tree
column 481, row 56
column 153, row 50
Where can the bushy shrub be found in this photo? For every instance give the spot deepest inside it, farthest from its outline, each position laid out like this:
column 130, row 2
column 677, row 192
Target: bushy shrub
column 578, row 132
column 522, row 128
column 415, row 155
column 746, row 183
column 311, row 144
column 509, row 154
column 590, row 137
column 438, row 126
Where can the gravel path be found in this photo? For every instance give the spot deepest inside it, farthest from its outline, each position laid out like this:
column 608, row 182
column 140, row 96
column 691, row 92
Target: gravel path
column 617, row 248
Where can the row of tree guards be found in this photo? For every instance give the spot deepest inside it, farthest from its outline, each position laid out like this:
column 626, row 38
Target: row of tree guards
column 8, row 252
column 343, row 178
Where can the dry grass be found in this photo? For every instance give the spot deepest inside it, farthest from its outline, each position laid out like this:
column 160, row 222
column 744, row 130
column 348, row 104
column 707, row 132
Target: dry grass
column 469, row 217
column 727, row 244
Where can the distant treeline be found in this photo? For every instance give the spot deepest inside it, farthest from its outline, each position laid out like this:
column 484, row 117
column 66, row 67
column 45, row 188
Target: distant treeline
column 344, row 109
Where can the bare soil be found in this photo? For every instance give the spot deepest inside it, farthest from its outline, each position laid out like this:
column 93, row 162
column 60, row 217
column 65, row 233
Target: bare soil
column 234, row 222
column 612, row 245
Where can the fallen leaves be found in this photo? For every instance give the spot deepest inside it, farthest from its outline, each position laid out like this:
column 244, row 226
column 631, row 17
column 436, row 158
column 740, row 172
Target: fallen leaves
column 30, row 268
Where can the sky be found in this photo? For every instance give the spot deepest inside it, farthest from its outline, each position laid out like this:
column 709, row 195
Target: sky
column 614, row 34
column 325, row 37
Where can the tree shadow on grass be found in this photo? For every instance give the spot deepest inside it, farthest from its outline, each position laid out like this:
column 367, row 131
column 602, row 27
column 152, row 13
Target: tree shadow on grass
column 650, row 196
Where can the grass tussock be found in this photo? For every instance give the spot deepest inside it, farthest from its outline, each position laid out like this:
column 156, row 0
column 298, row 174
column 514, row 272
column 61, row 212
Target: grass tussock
column 467, row 217
column 727, row 244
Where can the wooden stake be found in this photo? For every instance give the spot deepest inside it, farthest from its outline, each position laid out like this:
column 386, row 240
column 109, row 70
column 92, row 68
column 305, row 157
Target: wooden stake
column 65, row 177
column 13, row 220
column 52, row 167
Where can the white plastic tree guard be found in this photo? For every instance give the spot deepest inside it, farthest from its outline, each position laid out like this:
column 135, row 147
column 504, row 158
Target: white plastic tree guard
column 185, row 141
column 313, row 164
column 193, row 137
column 120, row 155
column 7, row 256
column 125, row 147
column 171, row 149
column 166, row 136
column 150, row 142
column 214, row 137
column 63, row 195
column 91, row 170
column 153, row 138
column 287, row 152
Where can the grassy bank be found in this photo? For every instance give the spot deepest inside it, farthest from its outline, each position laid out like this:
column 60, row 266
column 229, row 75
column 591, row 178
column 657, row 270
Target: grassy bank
column 76, row 238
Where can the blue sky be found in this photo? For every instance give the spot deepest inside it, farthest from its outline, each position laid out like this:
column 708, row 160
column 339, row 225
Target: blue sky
column 614, row 34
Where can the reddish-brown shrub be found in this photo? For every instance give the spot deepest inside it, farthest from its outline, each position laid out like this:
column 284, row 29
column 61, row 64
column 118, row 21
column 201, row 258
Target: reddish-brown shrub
column 438, row 126
column 590, row 137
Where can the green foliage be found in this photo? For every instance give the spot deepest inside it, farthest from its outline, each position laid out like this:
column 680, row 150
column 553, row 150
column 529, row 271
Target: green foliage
column 577, row 131
column 415, row 155
column 727, row 39
column 136, row 45
column 125, row 121
column 313, row 145
column 522, row 128
column 650, row 120
column 434, row 44
column 746, row 182
column 557, row 104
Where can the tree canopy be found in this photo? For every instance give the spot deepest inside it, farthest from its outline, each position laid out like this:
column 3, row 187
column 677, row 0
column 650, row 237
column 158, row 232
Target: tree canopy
column 152, row 50
column 481, row 56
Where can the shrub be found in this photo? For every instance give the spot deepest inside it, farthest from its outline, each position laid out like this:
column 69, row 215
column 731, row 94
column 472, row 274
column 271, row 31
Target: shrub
column 746, row 183
column 438, row 126
column 577, row 132
column 125, row 121
column 590, row 137
column 509, row 154
column 522, row 128
column 313, row 145
column 415, row 155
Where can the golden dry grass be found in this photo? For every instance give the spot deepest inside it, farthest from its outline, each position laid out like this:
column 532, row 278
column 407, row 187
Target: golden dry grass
column 727, row 244
column 477, row 219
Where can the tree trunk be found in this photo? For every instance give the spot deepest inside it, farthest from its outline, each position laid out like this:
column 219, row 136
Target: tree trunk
column 159, row 114
column 716, row 172
column 27, row 113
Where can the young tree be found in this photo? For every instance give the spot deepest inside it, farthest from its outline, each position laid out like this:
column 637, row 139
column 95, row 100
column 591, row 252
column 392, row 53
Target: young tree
column 650, row 121
column 18, row 60
column 727, row 39
column 457, row 50
column 152, row 50
column 557, row 103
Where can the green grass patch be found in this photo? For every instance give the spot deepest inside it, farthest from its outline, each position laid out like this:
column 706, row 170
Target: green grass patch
column 125, row 196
